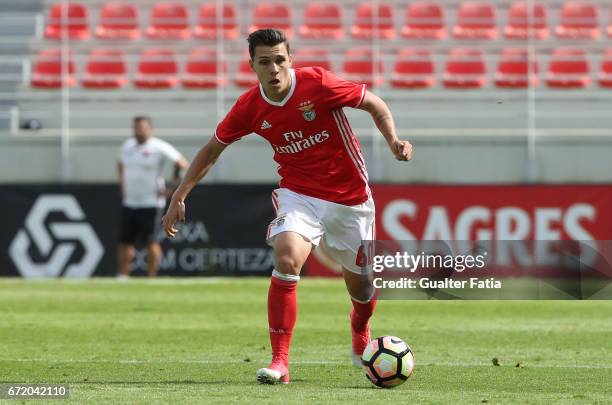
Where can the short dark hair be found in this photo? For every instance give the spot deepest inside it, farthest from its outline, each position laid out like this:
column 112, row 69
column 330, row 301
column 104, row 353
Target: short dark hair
column 267, row 37
column 139, row 118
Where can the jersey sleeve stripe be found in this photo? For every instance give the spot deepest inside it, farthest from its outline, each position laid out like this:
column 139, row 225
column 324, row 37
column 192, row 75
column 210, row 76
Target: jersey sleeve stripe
column 358, row 150
column 347, row 145
column 351, row 140
column 350, row 147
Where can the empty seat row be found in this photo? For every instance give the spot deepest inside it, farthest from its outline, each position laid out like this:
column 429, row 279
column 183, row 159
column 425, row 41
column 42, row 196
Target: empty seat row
column 413, row 68
column 323, row 20
column 466, row 68
column 107, row 69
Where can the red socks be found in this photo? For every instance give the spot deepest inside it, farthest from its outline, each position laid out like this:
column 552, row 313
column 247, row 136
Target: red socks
column 361, row 314
column 282, row 313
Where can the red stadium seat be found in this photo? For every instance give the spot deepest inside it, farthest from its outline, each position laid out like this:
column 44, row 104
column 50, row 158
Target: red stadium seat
column 413, row 69
column 311, row 57
column 272, row 15
column 578, row 20
column 48, row 69
column 245, row 77
column 169, row 21
column 105, row 69
column 362, row 66
column 465, row 68
column 371, row 22
column 118, row 21
column 202, row 70
column 513, row 70
column 605, row 74
column 71, row 21
column 322, row 21
column 424, row 21
column 522, row 25
column 568, row 68
column 157, row 69
column 209, row 27
column 476, row 20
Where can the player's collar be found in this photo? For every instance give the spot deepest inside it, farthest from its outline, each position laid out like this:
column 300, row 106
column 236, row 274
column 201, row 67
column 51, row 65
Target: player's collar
column 287, row 97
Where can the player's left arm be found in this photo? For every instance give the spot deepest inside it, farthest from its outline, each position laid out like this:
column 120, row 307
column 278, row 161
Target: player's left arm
column 378, row 109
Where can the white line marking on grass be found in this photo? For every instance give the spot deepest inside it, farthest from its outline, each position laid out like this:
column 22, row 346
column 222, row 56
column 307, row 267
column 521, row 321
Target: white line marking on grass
column 298, row 362
column 147, row 281
column 128, row 281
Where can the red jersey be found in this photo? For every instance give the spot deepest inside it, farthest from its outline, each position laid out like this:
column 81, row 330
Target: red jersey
column 314, row 145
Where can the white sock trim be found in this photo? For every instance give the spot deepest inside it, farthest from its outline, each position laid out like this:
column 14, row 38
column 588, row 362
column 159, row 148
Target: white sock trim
column 360, row 301
column 368, row 300
column 285, row 277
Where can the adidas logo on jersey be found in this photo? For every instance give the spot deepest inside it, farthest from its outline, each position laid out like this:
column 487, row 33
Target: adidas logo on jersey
column 265, row 125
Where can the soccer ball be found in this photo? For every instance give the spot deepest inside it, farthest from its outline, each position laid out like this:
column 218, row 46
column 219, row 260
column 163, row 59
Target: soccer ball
column 387, row 361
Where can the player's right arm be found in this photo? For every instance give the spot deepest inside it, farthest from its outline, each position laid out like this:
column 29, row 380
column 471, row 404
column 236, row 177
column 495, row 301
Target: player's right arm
column 233, row 127
column 200, row 166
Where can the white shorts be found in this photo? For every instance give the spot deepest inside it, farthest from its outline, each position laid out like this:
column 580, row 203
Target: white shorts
column 338, row 229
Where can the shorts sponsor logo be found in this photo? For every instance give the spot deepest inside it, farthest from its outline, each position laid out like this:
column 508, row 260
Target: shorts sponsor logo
column 279, row 221
column 55, row 242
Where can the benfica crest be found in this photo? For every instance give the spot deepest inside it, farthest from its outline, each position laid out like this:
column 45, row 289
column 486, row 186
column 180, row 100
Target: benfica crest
column 307, row 109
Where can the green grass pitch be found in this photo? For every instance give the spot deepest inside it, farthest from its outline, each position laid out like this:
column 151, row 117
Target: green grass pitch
column 202, row 340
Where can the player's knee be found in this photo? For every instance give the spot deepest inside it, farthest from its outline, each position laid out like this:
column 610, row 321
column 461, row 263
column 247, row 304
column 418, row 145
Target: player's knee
column 287, row 264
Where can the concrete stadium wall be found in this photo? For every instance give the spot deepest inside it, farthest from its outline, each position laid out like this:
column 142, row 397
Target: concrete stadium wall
column 460, row 159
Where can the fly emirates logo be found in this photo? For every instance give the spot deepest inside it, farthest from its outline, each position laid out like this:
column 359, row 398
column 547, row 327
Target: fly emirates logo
column 297, row 142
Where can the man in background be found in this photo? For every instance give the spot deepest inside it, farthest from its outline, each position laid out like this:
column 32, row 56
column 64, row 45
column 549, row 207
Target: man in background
column 143, row 191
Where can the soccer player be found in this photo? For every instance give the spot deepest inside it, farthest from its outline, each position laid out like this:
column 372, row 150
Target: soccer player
column 323, row 201
column 143, row 191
